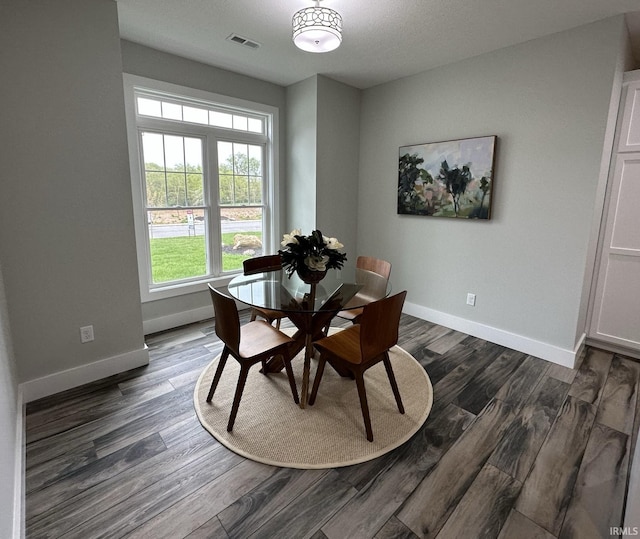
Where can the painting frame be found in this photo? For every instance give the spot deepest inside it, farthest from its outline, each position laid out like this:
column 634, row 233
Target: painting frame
column 451, row 178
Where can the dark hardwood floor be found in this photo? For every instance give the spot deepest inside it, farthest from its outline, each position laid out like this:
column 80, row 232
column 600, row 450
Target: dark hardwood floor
column 515, row 447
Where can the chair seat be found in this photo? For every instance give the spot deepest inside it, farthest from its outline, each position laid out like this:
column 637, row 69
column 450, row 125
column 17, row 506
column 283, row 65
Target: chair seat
column 344, row 344
column 259, row 337
column 351, row 314
column 270, row 313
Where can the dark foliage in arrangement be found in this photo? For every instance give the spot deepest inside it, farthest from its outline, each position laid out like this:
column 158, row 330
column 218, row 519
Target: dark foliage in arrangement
column 314, row 252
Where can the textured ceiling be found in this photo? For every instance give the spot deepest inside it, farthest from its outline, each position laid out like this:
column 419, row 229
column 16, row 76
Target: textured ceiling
column 383, row 40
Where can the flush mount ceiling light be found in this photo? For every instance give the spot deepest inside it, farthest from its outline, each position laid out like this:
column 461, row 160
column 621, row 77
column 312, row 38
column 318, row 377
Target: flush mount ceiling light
column 317, row 29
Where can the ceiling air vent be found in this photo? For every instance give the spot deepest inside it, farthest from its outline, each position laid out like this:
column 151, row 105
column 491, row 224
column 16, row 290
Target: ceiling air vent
column 235, row 38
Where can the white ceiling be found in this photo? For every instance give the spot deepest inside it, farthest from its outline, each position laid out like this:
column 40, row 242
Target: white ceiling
column 383, row 39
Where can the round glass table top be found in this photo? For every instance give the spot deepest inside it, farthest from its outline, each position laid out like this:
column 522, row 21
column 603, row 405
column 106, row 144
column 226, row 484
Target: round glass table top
column 346, row 288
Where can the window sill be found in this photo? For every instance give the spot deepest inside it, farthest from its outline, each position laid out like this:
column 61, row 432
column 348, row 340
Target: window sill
column 183, row 289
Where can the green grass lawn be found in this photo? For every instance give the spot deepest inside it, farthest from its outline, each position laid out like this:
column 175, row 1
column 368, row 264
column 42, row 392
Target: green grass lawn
column 183, row 257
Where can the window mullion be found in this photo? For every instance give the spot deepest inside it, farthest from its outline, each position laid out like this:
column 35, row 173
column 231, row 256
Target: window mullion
column 213, row 188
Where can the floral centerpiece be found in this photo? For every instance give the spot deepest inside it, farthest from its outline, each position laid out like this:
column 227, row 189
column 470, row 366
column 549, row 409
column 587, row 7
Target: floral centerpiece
column 310, row 256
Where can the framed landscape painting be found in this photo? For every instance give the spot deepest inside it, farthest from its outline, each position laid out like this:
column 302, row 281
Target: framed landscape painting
column 447, row 179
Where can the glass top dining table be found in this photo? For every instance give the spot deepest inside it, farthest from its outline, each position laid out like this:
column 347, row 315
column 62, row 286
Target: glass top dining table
column 310, row 307
column 346, row 288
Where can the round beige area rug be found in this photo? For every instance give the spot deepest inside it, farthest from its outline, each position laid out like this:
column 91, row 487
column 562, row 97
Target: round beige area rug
column 272, row 429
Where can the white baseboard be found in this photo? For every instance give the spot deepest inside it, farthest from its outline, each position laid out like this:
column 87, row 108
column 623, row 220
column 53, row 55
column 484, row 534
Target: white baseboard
column 174, row 320
column 632, row 508
column 70, row 378
column 616, row 349
column 532, row 347
column 19, row 473
column 549, row 352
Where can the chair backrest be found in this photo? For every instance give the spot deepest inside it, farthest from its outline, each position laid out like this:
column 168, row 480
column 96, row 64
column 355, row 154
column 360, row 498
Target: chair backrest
column 259, row 264
column 227, row 321
column 376, row 265
column 379, row 325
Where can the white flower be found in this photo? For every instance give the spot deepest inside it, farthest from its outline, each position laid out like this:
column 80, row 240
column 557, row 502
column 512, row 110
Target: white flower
column 332, row 243
column 291, row 237
column 316, row 263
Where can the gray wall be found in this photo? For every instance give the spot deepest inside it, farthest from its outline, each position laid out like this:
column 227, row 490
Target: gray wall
column 548, row 102
column 337, row 162
column 302, row 141
column 66, row 221
column 66, row 232
column 146, row 62
column 323, row 141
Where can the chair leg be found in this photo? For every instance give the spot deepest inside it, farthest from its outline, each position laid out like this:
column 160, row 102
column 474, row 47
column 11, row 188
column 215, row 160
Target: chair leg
column 277, row 323
column 254, row 314
column 316, row 381
column 392, row 380
column 242, row 380
column 292, row 380
column 216, row 378
column 362, row 393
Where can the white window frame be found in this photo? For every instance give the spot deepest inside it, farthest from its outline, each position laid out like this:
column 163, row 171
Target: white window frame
column 132, row 83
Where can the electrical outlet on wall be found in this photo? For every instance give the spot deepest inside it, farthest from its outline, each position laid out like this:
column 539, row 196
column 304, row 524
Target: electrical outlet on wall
column 86, row 334
column 471, row 299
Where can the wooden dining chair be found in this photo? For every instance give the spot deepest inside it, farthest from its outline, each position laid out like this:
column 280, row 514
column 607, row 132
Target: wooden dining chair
column 252, row 343
column 376, row 265
column 264, row 264
column 368, row 263
column 361, row 346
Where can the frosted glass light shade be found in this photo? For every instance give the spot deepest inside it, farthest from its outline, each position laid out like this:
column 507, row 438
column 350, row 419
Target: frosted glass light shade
column 317, row 29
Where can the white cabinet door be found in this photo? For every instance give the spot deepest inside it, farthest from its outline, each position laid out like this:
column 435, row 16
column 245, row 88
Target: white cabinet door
column 630, row 128
column 616, row 314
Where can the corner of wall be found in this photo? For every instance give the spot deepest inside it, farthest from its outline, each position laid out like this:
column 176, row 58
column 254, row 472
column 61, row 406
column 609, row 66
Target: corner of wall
column 176, row 319
column 83, row 374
